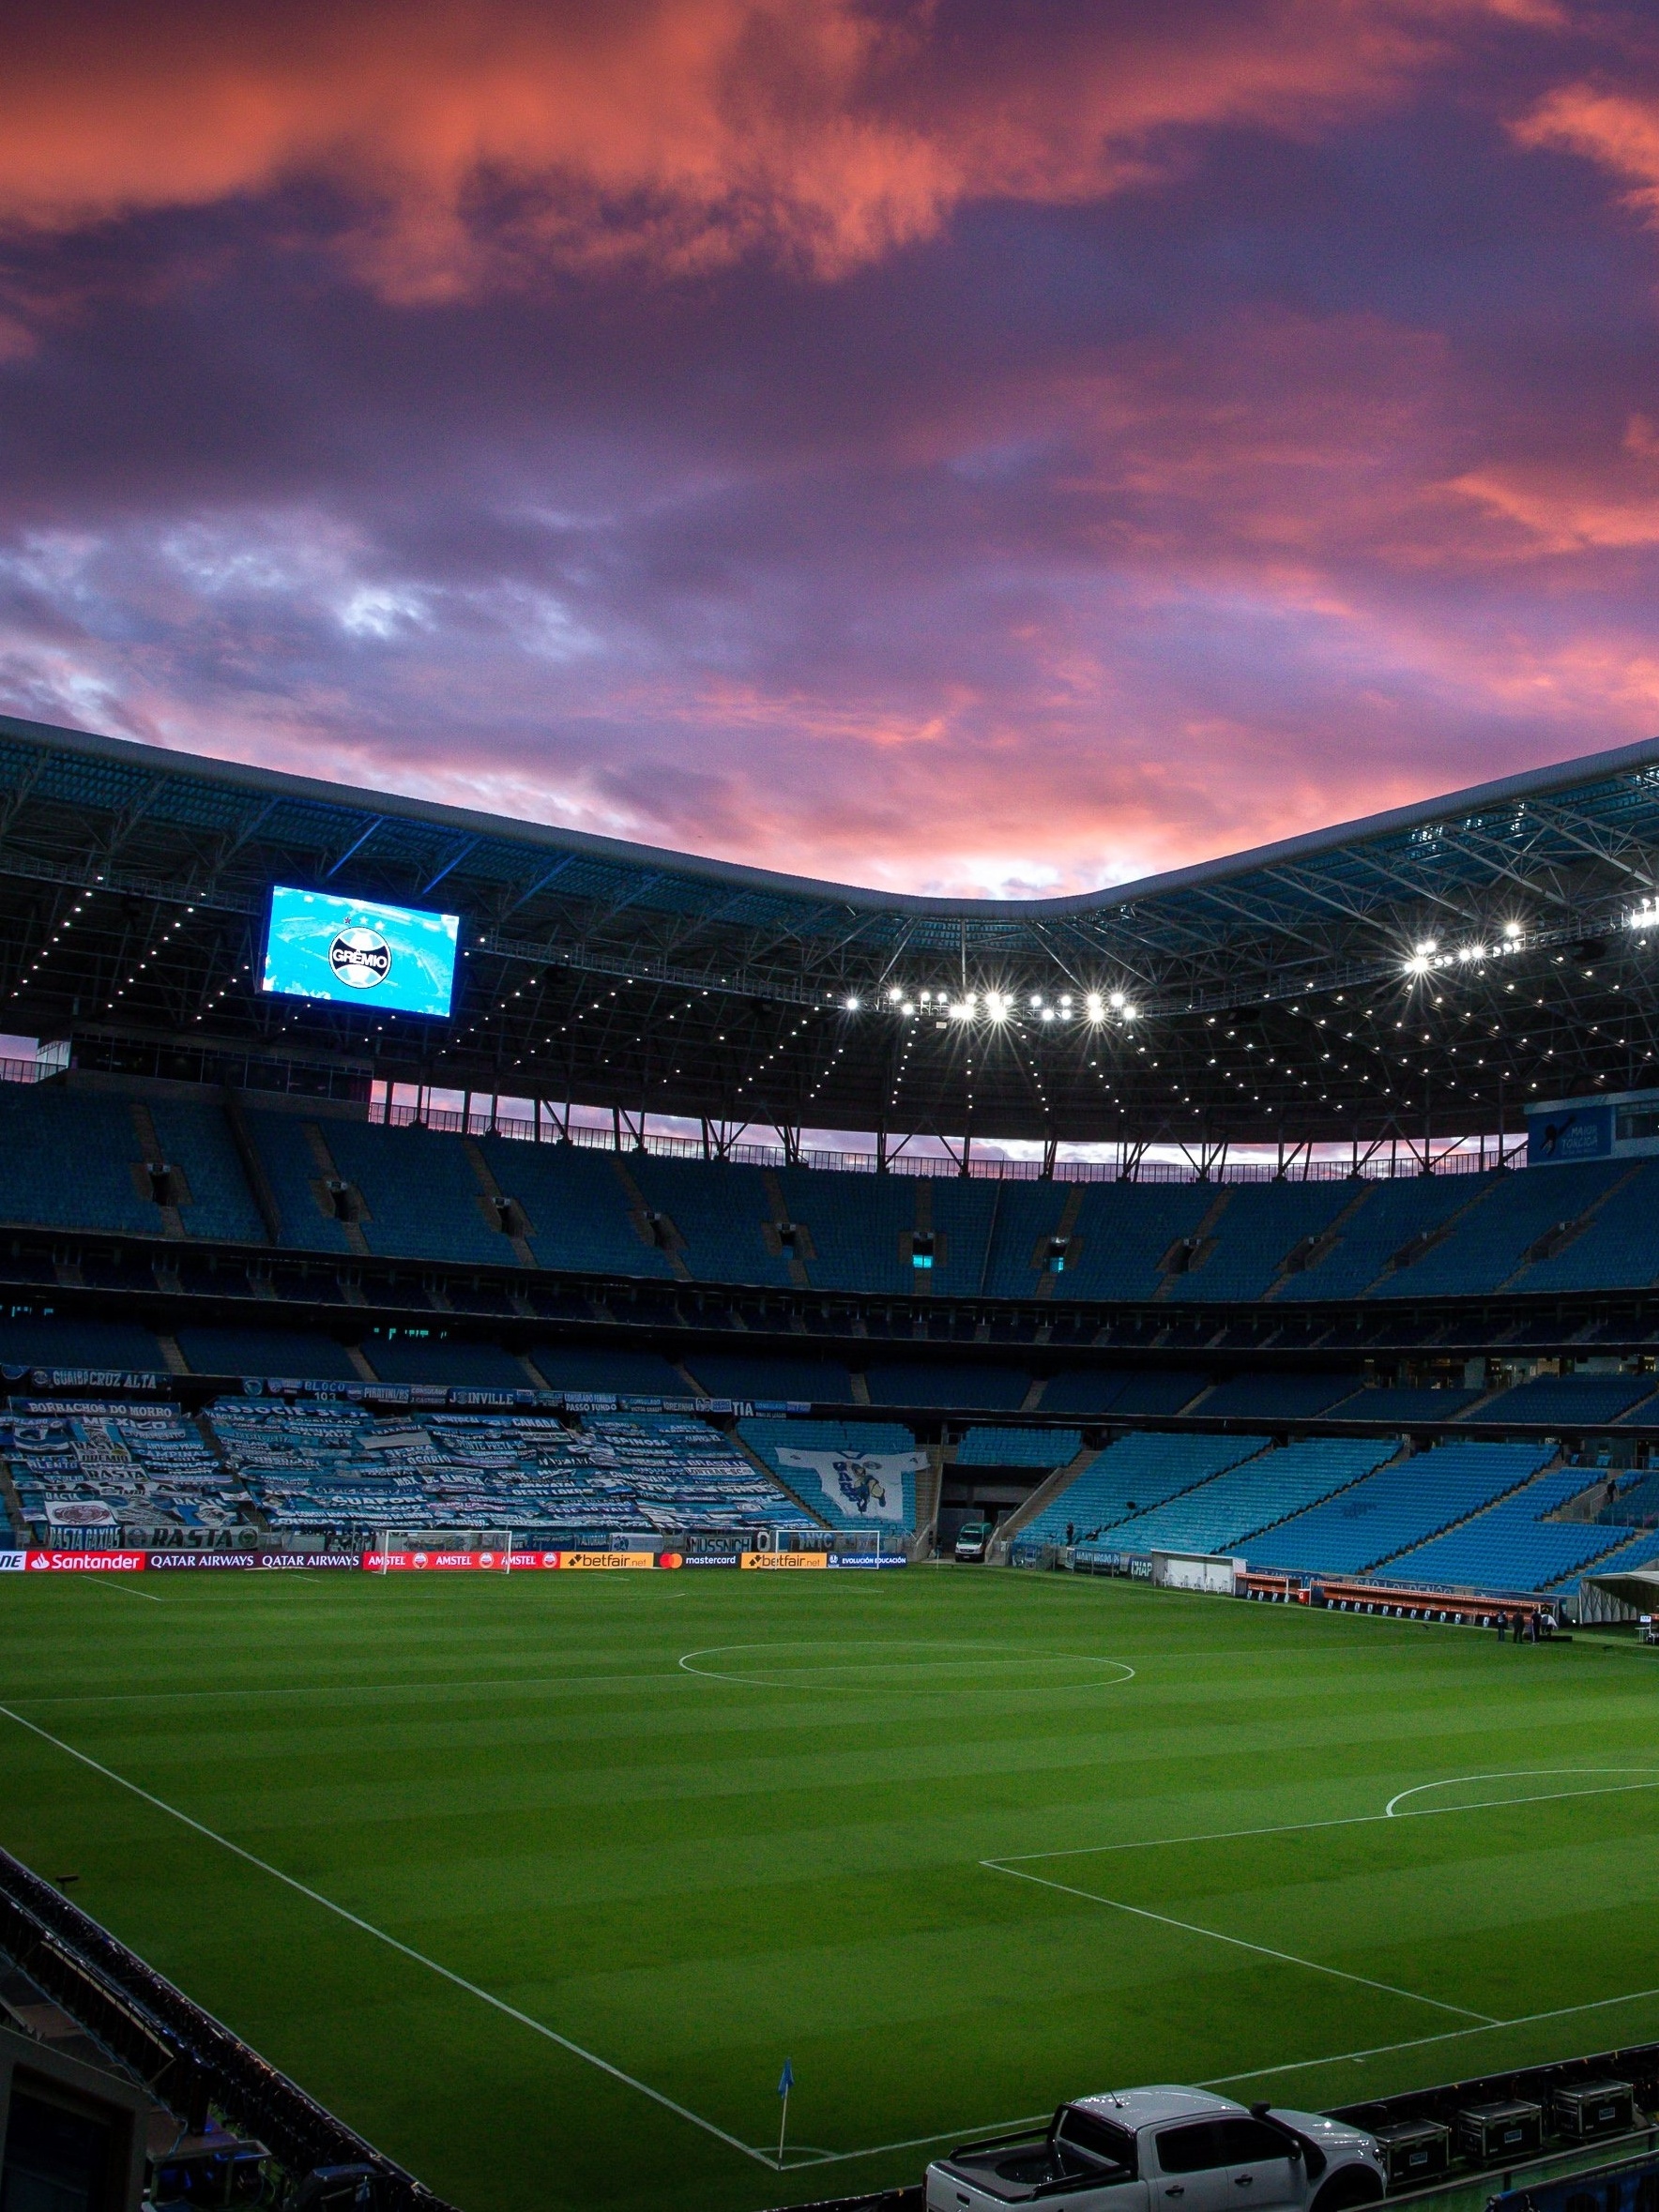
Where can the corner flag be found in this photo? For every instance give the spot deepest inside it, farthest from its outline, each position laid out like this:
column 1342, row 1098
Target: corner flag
column 785, row 2082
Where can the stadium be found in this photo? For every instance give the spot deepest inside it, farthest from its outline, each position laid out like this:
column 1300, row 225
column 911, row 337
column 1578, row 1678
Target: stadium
column 411, row 1207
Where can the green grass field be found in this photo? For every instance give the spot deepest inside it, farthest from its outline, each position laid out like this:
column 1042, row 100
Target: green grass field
column 538, row 1881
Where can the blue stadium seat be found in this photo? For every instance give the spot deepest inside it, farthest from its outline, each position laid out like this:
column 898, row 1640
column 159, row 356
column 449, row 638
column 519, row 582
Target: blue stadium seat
column 771, row 1375
column 720, row 1211
column 1225, row 1512
column 66, row 1161
column 1512, row 1546
column 1046, row 1448
column 197, row 1138
column 404, row 1357
column 1398, row 1507
column 1270, row 1396
column 1135, row 1473
column 1121, row 1392
column 976, row 1387
column 599, row 1367
column 1489, row 1243
column 1574, row 1401
column 577, row 1207
column 1390, row 1216
column 1260, row 1225
column 305, row 1354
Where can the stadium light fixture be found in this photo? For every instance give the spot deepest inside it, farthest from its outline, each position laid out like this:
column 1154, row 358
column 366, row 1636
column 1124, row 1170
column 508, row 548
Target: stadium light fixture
column 852, row 1005
column 997, row 1006
column 1646, row 915
column 1117, row 1001
column 1094, row 1007
column 894, row 995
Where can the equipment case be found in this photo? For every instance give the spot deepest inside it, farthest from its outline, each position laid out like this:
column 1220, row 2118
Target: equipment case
column 1509, row 2130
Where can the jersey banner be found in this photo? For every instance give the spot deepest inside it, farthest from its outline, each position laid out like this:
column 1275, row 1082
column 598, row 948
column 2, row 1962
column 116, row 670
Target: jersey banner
column 857, row 1485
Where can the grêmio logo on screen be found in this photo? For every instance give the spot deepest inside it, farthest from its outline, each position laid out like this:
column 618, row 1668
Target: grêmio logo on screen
column 360, row 959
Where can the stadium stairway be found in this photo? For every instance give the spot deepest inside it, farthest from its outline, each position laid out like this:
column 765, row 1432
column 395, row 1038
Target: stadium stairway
column 1050, row 1488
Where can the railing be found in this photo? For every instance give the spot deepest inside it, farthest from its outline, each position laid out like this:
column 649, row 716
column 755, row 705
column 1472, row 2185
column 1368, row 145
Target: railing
column 189, row 2059
column 1373, row 1163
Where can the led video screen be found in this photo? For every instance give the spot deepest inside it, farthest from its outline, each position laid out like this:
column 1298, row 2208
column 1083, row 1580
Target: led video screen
column 358, row 952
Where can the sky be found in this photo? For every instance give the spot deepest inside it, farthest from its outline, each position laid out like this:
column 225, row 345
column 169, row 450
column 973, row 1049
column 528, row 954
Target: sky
column 1007, row 448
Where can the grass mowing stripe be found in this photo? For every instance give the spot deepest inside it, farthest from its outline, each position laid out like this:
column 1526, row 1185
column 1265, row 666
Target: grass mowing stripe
column 380, row 1934
column 1242, row 1942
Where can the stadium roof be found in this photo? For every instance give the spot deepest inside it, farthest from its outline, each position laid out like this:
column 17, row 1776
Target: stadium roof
column 1422, row 964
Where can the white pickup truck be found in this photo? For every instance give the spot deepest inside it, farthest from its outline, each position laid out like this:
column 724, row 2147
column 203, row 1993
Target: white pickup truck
column 1166, row 2150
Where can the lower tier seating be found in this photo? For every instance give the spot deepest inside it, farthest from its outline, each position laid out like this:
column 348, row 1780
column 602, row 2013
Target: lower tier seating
column 1400, row 1505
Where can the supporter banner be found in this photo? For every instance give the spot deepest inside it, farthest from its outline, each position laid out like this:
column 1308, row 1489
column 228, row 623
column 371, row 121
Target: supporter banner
column 92, row 1378
column 102, row 1409
column 79, row 1513
column 867, row 1485
column 86, row 1562
column 785, row 1560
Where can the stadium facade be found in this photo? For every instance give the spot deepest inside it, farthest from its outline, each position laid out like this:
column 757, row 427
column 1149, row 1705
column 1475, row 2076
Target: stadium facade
column 224, row 1182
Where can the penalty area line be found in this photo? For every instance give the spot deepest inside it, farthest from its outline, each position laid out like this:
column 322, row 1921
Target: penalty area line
column 1297, row 2066
column 1242, row 1942
column 394, row 1942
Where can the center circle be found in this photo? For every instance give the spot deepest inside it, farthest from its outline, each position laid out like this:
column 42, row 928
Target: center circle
column 900, row 1663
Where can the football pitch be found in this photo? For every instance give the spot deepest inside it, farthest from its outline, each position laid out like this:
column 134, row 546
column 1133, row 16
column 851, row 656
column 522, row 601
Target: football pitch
column 538, row 1881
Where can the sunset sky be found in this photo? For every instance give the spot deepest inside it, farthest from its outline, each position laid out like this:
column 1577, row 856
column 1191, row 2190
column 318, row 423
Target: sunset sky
column 991, row 448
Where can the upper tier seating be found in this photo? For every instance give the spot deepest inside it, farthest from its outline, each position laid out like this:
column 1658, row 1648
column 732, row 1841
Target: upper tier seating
column 1258, row 1225
column 1136, row 1471
column 1490, row 1242
column 1046, row 1448
column 72, row 1160
column 1398, row 1507
column 1225, row 1512
column 1618, row 1248
column 422, row 1193
column 720, row 1211
column 1574, row 1400
column 1268, row 1397
column 855, row 1501
column 76, row 1157
column 578, row 1208
column 1511, row 1546
column 772, row 1376
column 1390, row 1218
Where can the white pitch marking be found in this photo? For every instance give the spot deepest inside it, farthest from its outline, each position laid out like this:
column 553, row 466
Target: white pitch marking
column 1242, row 1942
column 1297, row 2066
column 1351, row 1820
column 393, row 1943
column 117, row 1582
column 1126, row 1673
column 1516, row 1774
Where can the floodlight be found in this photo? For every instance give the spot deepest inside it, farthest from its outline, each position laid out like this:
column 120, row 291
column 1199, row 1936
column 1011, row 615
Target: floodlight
column 1093, row 1007
column 907, row 1007
column 894, row 995
column 1118, row 1001
column 852, row 1005
column 1426, row 947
